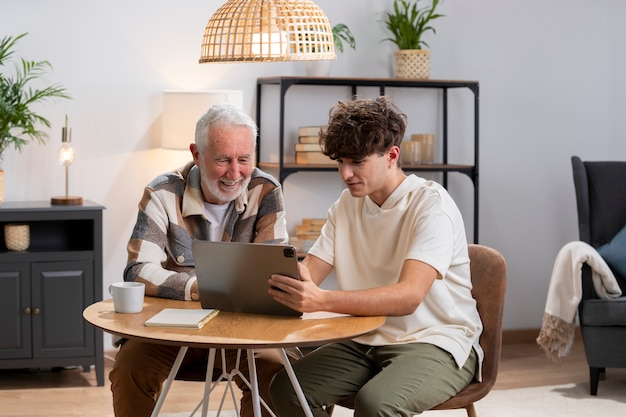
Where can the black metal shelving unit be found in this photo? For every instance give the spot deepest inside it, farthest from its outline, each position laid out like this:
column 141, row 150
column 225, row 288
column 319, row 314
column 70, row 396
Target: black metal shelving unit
column 284, row 83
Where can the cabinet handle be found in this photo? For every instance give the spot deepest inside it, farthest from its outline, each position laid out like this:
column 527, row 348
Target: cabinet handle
column 27, row 311
column 36, row 311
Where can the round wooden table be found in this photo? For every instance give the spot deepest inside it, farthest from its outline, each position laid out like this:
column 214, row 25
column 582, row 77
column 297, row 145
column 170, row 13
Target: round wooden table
column 231, row 331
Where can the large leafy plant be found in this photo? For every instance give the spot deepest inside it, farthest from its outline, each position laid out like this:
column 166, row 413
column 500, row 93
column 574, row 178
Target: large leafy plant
column 18, row 122
column 408, row 23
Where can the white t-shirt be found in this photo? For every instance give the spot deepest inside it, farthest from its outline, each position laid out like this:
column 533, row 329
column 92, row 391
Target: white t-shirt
column 367, row 245
column 216, row 214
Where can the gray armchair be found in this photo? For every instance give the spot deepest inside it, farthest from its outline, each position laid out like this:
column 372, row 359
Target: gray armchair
column 601, row 201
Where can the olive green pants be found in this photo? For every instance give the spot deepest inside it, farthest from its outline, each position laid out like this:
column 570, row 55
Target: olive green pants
column 394, row 380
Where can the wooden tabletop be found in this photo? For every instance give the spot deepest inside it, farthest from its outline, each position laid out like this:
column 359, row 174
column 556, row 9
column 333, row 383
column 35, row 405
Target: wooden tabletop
column 230, row 330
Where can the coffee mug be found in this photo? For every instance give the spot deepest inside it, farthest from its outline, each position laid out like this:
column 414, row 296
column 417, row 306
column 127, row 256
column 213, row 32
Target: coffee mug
column 127, row 296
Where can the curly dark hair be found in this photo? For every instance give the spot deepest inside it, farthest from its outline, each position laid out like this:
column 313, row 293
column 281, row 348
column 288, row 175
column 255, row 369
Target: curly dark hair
column 362, row 127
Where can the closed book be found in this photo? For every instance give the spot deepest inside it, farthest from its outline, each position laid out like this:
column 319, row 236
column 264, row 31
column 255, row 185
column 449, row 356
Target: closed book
column 309, row 130
column 182, row 317
column 309, row 139
column 308, row 147
column 308, row 220
column 313, row 158
column 308, row 235
column 305, row 228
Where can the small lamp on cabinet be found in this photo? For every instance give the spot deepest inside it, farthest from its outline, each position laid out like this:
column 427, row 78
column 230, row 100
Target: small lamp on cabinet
column 66, row 157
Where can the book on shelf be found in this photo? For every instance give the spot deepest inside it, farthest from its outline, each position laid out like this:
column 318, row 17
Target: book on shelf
column 309, row 130
column 308, row 235
column 314, row 222
column 313, row 158
column 182, row 317
column 309, row 226
column 309, row 139
column 308, row 147
column 305, row 228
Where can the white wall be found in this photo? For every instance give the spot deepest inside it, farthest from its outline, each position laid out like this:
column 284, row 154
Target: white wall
column 552, row 85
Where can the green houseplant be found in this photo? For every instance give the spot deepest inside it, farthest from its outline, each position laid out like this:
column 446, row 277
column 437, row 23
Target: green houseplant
column 341, row 34
column 18, row 122
column 408, row 22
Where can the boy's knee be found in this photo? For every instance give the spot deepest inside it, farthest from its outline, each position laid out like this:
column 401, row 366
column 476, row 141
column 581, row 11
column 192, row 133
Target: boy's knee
column 279, row 386
column 374, row 405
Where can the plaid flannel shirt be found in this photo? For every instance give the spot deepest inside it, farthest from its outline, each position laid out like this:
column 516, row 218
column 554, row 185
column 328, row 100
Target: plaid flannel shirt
column 171, row 216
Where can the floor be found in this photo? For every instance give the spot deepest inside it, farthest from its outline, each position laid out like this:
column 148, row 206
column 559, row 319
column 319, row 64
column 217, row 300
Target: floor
column 71, row 392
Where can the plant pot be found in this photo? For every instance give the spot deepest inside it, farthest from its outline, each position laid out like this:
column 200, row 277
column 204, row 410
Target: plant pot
column 318, row 68
column 412, row 63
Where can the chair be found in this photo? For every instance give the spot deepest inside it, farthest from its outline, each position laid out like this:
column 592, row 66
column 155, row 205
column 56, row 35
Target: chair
column 601, row 203
column 488, row 269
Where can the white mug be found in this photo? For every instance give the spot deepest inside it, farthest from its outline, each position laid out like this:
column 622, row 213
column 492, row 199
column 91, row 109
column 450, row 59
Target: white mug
column 127, row 296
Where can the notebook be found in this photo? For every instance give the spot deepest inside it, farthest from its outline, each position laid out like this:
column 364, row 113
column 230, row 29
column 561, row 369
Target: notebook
column 233, row 276
column 181, row 317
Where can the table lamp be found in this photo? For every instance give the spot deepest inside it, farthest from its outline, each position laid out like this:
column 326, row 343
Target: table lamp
column 182, row 109
column 66, row 157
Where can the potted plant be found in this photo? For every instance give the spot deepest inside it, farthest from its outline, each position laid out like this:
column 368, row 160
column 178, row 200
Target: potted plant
column 408, row 23
column 18, row 122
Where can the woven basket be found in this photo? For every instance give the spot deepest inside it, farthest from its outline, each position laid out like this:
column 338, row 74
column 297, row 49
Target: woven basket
column 413, row 63
column 17, row 236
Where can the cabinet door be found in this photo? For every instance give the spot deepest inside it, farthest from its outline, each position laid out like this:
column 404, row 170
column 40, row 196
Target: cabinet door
column 15, row 335
column 61, row 291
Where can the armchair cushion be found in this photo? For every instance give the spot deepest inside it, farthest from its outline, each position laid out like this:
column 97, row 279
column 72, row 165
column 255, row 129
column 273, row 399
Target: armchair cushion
column 614, row 253
column 599, row 312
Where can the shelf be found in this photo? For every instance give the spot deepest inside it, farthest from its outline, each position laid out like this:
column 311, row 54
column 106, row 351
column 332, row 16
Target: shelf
column 54, row 228
column 45, row 256
column 291, row 168
column 287, row 82
column 284, row 83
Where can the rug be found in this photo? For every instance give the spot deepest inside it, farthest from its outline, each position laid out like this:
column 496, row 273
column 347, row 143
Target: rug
column 548, row 401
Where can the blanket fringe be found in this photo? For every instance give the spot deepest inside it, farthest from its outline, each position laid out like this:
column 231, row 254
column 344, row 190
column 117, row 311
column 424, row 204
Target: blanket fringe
column 556, row 337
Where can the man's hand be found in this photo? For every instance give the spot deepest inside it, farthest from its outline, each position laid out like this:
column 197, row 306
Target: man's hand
column 301, row 295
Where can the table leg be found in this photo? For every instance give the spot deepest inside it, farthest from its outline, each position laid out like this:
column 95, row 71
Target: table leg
column 168, row 382
column 209, row 385
column 295, row 383
column 254, row 388
column 252, row 383
column 207, row 382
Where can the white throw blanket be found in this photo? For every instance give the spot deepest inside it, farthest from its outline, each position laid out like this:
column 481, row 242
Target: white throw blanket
column 565, row 292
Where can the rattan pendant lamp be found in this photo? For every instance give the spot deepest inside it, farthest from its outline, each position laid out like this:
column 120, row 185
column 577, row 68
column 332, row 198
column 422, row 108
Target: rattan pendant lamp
column 268, row 31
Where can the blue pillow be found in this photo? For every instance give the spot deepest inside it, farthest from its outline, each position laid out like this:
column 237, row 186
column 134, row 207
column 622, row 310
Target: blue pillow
column 614, row 253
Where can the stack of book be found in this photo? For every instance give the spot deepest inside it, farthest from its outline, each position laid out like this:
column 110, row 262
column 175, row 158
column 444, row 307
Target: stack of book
column 308, row 149
column 309, row 229
column 307, row 233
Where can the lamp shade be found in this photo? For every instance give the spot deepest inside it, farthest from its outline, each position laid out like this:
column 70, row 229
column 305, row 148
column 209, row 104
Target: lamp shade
column 266, row 31
column 182, row 109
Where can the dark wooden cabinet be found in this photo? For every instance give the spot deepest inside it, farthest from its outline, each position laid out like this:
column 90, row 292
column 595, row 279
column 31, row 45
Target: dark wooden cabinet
column 44, row 290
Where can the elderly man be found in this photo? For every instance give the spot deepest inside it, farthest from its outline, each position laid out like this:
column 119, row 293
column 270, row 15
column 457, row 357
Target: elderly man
column 218, row 196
